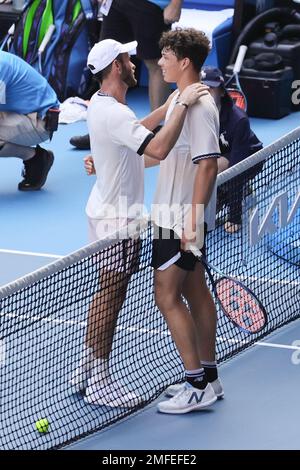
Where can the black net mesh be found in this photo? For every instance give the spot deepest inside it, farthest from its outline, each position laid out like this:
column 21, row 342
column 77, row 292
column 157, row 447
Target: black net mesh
column 44, row 325
column 257, row 239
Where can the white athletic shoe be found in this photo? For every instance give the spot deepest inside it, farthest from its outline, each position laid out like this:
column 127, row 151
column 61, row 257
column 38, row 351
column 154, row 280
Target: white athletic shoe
column 216, row 385
column 79, row 378
column 110, row 393
column 188, row 399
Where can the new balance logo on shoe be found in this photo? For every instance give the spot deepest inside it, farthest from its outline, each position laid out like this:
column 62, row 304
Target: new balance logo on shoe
column 195, row 397
column 188, row 399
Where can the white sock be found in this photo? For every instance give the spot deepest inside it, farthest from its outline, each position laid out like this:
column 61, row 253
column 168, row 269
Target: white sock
column 209, row 363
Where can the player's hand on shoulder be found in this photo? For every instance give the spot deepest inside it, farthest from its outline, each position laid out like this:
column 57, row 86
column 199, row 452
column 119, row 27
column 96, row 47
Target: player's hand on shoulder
column 204, row 90
column 89, row 165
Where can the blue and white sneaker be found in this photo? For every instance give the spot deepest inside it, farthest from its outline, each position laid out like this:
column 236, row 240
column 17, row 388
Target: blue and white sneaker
column 188, row 399
column 216, row 385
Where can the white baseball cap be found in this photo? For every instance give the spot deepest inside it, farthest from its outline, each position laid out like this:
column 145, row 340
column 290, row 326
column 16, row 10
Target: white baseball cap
column 104, row 53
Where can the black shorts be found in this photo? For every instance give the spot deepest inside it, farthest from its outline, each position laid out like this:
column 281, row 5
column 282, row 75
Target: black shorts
column 137, row 20
column 166, row 250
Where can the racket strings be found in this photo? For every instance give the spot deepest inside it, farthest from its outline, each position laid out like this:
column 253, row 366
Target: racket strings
column 240, row 305
column 238, row 98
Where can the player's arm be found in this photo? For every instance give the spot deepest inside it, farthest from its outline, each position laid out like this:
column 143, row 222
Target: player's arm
column 172, row 11
column 204, row 145
column 149, row 162
column 205, row 178
column 223, row 164
column 152, row 122
column 161, row 144
column 204, row 181
column 158, row 115
column 203, row 185
column 155, row 118
column 90, row 167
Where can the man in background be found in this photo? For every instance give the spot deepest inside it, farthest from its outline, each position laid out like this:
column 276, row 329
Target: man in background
column 237, row 141
column 28, row 116
column 143, row 21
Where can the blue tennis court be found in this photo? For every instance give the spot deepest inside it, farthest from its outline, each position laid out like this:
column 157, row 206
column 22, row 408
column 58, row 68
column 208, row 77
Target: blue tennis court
column 259, row 410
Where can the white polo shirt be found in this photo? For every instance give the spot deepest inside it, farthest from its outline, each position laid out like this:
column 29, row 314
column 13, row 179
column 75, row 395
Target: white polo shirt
column 117, row 144
column 199, row 139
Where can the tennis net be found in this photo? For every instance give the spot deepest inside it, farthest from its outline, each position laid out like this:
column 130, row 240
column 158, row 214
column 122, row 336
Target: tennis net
column 260, row 199
column 44, row 315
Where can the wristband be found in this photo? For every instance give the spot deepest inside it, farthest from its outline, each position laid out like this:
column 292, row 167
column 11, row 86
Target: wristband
column 182, row 104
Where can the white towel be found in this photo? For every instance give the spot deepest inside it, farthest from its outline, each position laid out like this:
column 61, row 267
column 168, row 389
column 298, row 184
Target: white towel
column 73, row 109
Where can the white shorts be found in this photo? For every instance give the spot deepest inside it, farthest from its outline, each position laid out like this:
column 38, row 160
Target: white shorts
column 122, row 255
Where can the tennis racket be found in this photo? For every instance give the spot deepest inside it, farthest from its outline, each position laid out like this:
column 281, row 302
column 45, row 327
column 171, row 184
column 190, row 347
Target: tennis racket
column 43, row 45
column 233, row 85
column 236, row 300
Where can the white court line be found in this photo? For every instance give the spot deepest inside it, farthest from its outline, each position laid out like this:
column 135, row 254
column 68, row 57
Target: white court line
column 139, row 330
column 275, row 345
column 269, row 281
column 46, row 320
column 144, row 330
column 222, row 339
column 257, row 343
column 30, row 253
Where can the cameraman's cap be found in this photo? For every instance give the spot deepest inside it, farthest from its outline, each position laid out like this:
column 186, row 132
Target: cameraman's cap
column 212, row 76
column 104, row 53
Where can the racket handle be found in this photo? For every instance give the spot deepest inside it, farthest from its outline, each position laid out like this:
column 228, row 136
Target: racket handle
column 46, row 39
column 240, row 59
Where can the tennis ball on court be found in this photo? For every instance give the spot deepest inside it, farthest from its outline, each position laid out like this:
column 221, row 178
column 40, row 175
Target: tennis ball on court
column 42, row 425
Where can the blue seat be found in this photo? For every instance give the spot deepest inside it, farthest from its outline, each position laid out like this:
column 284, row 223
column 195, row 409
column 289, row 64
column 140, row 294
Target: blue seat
column 209, row 5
